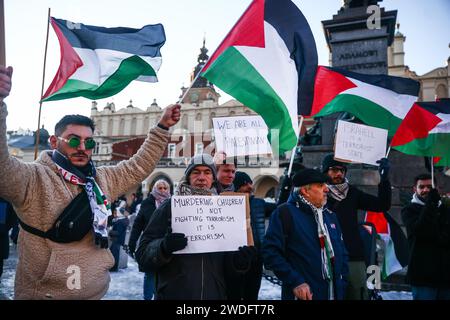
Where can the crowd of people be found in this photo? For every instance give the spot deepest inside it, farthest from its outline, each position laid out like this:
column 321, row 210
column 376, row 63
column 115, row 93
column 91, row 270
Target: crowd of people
column 312, row 242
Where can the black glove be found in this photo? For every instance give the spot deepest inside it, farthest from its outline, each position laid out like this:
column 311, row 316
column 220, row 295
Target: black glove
column 173, row 242
column 383, row 169
column 131, row 249
column 244, row 257
column 101, row 241
column 433, row 198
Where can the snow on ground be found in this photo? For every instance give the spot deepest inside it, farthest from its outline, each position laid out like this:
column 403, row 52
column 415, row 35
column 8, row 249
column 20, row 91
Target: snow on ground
column 126, row 284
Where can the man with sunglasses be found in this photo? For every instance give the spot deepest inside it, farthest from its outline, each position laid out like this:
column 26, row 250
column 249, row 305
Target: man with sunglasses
column 346, row 199
column 71, row 264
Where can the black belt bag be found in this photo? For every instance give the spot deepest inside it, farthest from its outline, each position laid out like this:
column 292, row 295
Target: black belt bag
column 72, row 224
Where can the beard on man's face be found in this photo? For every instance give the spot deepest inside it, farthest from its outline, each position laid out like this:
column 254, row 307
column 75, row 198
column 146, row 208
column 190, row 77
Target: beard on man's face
column 78, row 159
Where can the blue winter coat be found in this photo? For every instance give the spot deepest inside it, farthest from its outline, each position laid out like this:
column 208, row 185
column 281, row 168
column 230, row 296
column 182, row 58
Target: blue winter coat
column 299, row 260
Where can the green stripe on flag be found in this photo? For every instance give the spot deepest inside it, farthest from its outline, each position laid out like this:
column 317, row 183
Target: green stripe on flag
column 369, row 112
column 232, row 73
column 129, row 69
column 435, row 144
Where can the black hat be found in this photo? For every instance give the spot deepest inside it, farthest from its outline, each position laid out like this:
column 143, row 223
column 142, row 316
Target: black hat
column 240, row 179
column 200, row 160
column 329, row 162
column 307, row 176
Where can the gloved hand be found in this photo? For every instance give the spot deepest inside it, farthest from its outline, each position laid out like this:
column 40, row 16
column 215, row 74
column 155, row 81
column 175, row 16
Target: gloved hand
column 173, row 242
column 101, row 241
column 244, row 257
column 433, row 197
column 131, row 249
column 384, row 167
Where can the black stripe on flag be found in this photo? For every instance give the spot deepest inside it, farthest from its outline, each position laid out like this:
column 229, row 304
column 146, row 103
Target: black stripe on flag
column 146, row 41
column 436, row 107
column 294, row 29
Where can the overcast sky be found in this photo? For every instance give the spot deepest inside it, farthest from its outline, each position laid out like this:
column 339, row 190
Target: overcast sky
column 424, row 23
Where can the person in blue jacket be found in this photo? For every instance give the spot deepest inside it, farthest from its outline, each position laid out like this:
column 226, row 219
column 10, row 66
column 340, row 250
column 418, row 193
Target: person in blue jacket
column 303, row 244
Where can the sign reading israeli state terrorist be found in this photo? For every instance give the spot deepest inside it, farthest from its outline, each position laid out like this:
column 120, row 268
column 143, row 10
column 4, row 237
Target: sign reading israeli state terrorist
column 210, row 223
column 360, row 143
column 241, row 136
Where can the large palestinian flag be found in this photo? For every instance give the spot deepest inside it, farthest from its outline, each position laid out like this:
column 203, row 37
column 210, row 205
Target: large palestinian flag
column 396, row 249
column 268, row 62
column 98, row 62
column 378, row 100
column 425, row 131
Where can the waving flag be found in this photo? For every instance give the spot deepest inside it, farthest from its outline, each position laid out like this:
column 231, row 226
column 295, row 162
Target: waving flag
column 396, row 251
column 378, row 100
column 425, row 131
column 268, row 62
column 98, row 62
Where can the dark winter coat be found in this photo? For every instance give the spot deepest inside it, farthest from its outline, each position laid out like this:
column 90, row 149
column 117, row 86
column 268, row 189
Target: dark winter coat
column 259, row 210
column 8, row 219
column 347, row 213
column 297, row 258
column 148, row 206
column 428, row 230
column 185, row 276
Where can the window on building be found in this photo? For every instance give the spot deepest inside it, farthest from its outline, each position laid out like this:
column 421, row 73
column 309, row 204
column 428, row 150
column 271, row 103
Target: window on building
column 171, row 150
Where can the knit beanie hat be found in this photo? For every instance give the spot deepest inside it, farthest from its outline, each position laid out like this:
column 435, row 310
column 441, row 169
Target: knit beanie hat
column 200, row 160
column 240, row 179
column 329, row 162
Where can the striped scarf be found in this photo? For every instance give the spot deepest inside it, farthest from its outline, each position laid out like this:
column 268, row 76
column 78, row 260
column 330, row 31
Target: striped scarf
column 338, row 191
column 326, row 247
column 99, row 204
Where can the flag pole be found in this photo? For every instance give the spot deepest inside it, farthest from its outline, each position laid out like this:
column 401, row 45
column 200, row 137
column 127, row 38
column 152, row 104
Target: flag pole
column 36, row 147
column 388, row 150
column 198, row 74
column 2, row 35
column 432, row 172
column 294, row 149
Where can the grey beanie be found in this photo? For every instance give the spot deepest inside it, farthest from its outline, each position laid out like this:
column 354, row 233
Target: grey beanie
column 200, row 160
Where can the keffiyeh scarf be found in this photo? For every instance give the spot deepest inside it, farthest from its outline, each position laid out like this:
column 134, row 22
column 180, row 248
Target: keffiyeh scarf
column 100, row 206
column 338, row 191
column 184, row 189
column 326, row 247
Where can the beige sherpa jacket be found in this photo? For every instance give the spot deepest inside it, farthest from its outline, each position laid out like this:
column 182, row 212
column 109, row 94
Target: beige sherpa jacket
column 47, row 270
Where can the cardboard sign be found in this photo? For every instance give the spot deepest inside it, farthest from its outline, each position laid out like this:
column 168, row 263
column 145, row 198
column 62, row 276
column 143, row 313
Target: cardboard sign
column 359, row 143
column 210, row 223
column 241, row 136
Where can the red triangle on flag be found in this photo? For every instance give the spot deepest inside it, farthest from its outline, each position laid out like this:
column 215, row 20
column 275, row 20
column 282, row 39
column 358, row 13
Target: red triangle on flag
column 378, row 220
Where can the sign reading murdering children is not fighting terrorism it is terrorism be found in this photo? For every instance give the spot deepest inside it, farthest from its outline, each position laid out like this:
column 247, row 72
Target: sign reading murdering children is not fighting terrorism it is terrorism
column 210, row 223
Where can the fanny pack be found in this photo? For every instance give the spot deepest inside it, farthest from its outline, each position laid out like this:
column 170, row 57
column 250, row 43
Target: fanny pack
column 72, row 224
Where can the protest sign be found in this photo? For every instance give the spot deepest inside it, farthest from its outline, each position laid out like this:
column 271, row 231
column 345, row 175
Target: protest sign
column 359, row 143
column 241, row 136
column 210, row 223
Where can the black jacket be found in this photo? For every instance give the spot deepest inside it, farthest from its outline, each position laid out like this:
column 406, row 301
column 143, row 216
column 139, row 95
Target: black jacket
column 347, row 213
column 428, row 230
column 185, row 276
column 8, row 219
column 148, row 206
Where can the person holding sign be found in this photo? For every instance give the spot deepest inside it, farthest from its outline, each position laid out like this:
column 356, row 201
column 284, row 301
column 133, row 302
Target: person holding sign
column 303, row 244
column 197, row 276
column 346, row 200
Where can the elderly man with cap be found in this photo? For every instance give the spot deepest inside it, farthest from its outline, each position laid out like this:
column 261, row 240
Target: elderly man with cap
column 303, row 244
column 188, row 276
column 246, row 286
column 345, row 199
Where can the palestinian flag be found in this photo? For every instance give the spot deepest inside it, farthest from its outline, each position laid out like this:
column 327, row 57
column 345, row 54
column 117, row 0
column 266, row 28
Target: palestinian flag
column 396, row 250
column 377, row 100
column 268, row 62
column 98, row 62
column 441, row 161
column 425, row 131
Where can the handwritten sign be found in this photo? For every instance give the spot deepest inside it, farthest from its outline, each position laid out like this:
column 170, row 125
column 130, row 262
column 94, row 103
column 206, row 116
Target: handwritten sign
column 360, row 143
column 210, row 223
column 241, row 136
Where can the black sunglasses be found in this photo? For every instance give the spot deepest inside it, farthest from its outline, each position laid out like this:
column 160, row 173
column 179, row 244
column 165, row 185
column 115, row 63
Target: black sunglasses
column 74, row 142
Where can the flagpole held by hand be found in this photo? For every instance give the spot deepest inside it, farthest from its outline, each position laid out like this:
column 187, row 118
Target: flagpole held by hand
column 432, row 172
column 36, row 147
column 293, row 150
